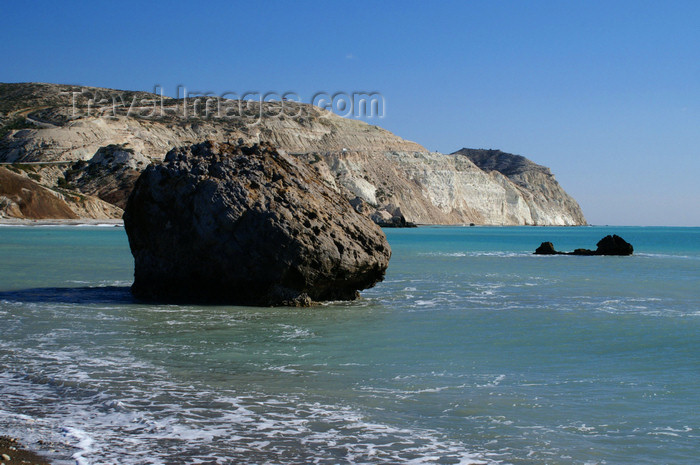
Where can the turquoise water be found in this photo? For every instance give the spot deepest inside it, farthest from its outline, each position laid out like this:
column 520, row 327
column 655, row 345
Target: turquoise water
column 471, row 351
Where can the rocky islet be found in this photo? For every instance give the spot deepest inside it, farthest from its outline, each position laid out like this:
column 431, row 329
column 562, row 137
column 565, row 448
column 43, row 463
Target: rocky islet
column 250, row 225
column 609, row 245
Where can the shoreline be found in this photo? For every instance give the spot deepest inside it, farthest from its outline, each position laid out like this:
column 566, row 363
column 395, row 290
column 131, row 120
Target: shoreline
column 62, row 222
column 18, row 453
column 118, row 222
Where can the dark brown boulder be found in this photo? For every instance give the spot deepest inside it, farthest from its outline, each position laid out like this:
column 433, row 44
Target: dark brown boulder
column 248, row 225
column 614, row 245
column 546, row 248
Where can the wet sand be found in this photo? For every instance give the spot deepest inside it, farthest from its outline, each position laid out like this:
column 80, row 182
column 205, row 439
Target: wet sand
column 12, row 448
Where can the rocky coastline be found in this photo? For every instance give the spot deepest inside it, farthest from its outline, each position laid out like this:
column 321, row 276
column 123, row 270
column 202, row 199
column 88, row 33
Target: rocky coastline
column 81, row 164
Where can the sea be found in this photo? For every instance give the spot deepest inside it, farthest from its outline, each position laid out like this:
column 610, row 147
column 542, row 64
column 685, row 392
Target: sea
column 471, row 351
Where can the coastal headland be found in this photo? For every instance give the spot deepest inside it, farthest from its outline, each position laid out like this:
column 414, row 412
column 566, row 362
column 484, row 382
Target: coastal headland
column 73, row 161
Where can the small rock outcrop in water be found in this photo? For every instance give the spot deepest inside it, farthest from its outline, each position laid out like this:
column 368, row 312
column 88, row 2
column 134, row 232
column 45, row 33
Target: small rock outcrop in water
column 609, row 245
column 546, row 248
column 614, row 245
column 247, row 225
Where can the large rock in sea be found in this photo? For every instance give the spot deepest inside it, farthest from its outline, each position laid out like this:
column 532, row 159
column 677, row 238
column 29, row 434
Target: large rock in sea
column 248, row 225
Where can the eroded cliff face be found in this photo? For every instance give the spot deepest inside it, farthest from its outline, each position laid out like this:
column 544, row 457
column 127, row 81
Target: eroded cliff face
column 382, row 174
column 547, row 201
column 23, row 198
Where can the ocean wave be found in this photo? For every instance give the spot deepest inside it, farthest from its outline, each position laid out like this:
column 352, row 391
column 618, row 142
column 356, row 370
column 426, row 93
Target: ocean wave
column 499, row 254
column 84, row 444
column 291, row 332
column 665, row 256
column 142, row 425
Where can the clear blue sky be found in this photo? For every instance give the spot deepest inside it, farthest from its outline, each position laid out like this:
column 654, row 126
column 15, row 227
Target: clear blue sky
column 606, row 93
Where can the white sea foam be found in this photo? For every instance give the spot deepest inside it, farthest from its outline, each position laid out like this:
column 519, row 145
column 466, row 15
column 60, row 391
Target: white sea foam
column 497, row 380
column 293, row 332
column 84, row 443
column 499, row 254
column 664, row 256
column 152, row 426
